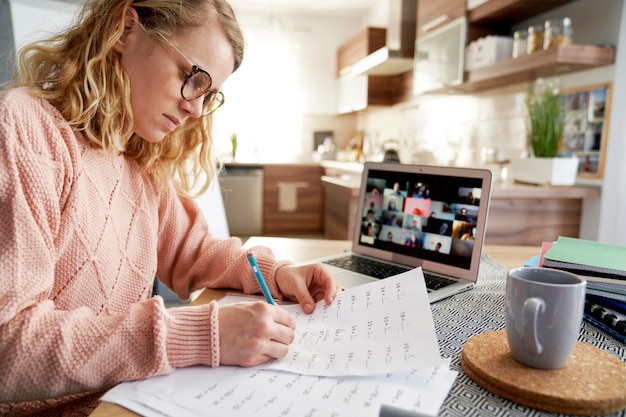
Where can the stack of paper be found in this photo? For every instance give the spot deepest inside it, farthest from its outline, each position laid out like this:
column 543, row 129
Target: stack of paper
column 374, row 347
column 602, row 264
column 604, row 267
column 595, row 259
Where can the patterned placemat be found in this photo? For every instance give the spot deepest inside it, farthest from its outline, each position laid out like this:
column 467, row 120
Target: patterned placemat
column 480, row 310
column 592, row 382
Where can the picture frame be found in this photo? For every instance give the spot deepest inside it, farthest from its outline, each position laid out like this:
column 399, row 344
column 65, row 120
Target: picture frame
column 586, row 116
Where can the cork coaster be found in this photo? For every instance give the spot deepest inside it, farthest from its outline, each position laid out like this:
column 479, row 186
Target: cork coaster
column 592, row 382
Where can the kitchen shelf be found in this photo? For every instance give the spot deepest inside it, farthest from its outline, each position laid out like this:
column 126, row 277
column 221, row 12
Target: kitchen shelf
column 510, row 11
column 546, row 63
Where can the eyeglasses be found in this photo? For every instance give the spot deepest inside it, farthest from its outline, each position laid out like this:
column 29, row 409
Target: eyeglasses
column 197, row 84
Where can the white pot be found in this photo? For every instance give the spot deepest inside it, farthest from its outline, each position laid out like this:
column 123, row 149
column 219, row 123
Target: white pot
column 545, row 171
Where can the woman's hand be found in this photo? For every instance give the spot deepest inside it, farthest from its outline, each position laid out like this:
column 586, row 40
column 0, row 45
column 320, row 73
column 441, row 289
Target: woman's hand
column 307, row 284
column 252, row 333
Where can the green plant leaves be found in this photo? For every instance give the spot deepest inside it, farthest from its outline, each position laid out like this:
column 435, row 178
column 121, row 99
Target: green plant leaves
column 545, row 124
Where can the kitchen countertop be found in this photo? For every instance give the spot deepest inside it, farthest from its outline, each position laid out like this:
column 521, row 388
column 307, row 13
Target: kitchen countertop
column 354, row 167
column 262, row 164
column 348, row 175
column 337, row 171
column 516, row 190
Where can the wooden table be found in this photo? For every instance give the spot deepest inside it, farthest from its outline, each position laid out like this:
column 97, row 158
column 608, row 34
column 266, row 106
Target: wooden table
column 300, row 250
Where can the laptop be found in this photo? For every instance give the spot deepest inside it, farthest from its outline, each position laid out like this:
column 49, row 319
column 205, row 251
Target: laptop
column 416, row 215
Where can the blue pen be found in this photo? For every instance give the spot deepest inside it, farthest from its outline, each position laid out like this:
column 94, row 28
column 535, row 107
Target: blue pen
column 259, row 278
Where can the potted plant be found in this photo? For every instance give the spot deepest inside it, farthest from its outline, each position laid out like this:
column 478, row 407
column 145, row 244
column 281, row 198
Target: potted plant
column 545, row 134
column 545, row 124
column 233, row 144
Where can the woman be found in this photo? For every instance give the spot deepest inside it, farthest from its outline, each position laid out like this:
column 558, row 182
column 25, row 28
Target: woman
column 103, row 142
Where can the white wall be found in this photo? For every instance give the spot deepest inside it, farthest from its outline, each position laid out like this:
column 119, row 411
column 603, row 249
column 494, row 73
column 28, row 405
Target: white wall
column 34, row 19
column 612, row 222
column 285, row 88
column 22, row 21
column 6, row 43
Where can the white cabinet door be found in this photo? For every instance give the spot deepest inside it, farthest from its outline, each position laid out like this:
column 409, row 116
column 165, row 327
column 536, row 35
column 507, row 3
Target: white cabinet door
column 439, row 57
column 351, row 93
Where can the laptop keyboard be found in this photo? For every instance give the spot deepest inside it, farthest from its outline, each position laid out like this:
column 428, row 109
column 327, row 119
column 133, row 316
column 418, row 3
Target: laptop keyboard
column 378, row 269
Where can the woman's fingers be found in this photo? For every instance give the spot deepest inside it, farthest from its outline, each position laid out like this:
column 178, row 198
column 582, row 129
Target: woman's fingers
column 252, row 333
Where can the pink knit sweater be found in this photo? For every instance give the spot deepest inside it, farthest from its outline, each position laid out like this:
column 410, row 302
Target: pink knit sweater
column 82, row 236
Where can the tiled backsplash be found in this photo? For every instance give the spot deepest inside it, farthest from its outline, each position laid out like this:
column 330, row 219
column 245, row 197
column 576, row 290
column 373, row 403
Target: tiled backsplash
column 464, row 129
column 453, row 128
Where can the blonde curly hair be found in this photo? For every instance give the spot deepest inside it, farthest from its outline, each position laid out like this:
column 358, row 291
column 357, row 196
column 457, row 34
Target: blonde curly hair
column 79, row 72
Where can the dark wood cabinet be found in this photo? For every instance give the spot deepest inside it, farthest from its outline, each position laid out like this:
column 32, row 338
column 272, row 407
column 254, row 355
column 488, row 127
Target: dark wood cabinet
column 496, row 17
column 340, row 206
column 505, row 13
column 357, row 92
column 524, row 214
column 293, row 199
column 518, row 214
column 433, row 14
column 359, row 46
column 341, row 182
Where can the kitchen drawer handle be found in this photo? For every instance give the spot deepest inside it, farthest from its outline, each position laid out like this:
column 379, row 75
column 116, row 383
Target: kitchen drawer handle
column 435, row 22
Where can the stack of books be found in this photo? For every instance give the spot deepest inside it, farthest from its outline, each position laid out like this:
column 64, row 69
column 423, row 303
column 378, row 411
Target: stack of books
column 604, row 267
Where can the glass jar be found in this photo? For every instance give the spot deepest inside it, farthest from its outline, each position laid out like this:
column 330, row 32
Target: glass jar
column 557, row 32
column 519, row 42
column 534, row 42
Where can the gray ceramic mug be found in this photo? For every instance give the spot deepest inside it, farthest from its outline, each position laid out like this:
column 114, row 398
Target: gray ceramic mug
column 544, row 310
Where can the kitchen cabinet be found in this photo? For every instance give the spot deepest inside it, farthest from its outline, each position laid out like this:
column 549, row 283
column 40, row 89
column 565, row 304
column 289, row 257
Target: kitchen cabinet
column 518, row 214
column 360, row 91
column 496, row 17
column 382, row 51
column 242, row 193
column 440, row 45
column 292, row 200
column 440, row 57
column 504, row 13
column 371, row 64
column 526, row 215
column 352, row 93
column 339, row 209
column 358, row 47
column 341, row 182
column 357, row 92
column 433, row 14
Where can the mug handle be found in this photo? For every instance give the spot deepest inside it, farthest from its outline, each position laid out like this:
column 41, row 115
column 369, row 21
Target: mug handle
column 530, row 312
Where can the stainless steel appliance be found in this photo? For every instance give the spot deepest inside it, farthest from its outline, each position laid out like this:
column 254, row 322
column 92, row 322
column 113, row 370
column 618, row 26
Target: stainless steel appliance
column 242, row 192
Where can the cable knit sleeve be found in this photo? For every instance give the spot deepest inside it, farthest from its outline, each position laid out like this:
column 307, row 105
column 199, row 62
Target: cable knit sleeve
column 190, row 258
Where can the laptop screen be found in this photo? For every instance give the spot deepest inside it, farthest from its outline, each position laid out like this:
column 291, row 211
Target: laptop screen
column 435, row 214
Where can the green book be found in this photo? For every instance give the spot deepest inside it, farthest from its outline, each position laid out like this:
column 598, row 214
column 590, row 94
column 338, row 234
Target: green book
column 587, row 257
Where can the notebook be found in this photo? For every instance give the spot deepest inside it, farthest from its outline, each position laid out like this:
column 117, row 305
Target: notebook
column 416, row 215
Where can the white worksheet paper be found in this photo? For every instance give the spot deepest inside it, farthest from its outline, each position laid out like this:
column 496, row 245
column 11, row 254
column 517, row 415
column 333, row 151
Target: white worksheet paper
column 233, row 391
column 384, row 326
column 374, row 345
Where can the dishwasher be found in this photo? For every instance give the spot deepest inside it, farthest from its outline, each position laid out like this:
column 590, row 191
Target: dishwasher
column 242, row 192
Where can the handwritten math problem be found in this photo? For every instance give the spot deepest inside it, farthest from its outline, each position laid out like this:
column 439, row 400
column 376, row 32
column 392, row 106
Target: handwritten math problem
column 371, row 329
column 265, row 392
